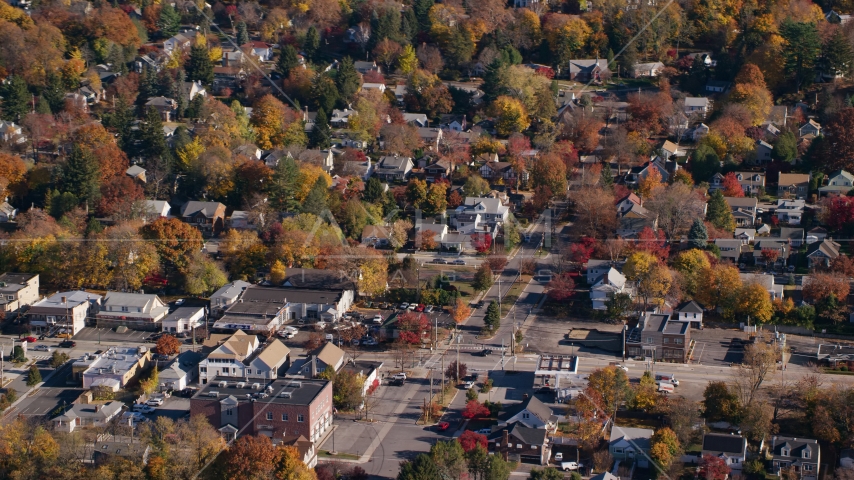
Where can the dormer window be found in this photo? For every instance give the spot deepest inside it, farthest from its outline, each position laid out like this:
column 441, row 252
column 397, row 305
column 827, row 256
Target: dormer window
column 806, row 453
column 784, row 452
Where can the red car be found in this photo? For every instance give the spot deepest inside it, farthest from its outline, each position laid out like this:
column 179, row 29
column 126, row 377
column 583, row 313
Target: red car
column 420, row 307
column 29, row 339
column 443, row 426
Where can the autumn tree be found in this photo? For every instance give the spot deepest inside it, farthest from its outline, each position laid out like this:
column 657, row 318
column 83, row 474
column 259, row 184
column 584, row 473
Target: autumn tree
column 248, row 458
column 168, row 345
column 677, row 206
column 653, row 278
column 608, row 387
column 461, row 312
column 718, row 287
column 594, row 207
column 560, row 288
column 820, row 286
column 511, row 115
column 713, row 467
column 475, row 409
column 483, row 278
column 550, row 171
column 720, row 404
column 732, row 188
column 455, row 374
column 664, row 447
column 645, row 394
column 175, row 241
column 836, row 148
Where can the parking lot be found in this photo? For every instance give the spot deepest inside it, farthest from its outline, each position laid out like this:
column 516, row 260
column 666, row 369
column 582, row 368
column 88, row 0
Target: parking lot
column 714, row 346
column 95, row 334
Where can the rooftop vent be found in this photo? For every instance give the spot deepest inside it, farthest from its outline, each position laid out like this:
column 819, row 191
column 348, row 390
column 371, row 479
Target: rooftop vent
column 213, row 394
column 295, row 384
column 256, row 386
column 285, row 394
column 223, row 384
column 241, row 384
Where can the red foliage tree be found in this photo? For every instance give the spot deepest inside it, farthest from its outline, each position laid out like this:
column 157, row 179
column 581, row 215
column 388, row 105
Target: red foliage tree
column 822, row 285
column 838, row 212
column 843, row 264
column 455, row 199
column 731, row 186
column 713, row 468
column 652, row 242
column 837, row 151
column 770, row 255
column 481, row 242
column 620, row 192
column 581, row 251
column 475, row 409
column 561, row 288
column 470, row 440
column 412, row 326
column 117, row 196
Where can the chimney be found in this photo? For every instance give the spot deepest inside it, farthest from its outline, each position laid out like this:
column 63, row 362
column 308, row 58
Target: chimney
column 97, row 408
column 64, row 299
column 313, row 360
column 505, row 437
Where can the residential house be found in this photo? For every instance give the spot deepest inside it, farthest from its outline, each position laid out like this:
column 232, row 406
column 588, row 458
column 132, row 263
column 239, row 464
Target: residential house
column 184, row 320
column 669, row 150
column 189, row 90
column 18, row 290
column 801, row 454
column 431, row 137
column 182, row 41
column 529, row 3
column 112, row 369
column 795, row 185
column 746, row 235
column 317, row 361
column 586, row 70
column 490, row 210
column 697, row 107
column 700, row 131
column 794, row 235
column 846, row 458
column 374, row 86
column 810, row 128
column 635, row 219
column 63, row 312
column 264, row 310
column 753, row 183
column 816, row 234
column 83, row 415
column 250, row 151
column 597, row 268
column 305, row 447
column 731, row 249
column 718, row 86
column 705, row 58
column 139, row 311
column 453, row 122
column 767, row 282
column 606, row 286
column 743, row 210
column 105, row 451
column 7, row 212
column 731, row 448
column 627, row 203
column 839, row 183
column 375, row 236
column 245, row 220
column 365, row 67
column 690, row 312
column 837, row 18
column 518, row 443
column 631, row 445
column 209, row 217
column 340, row 118
column 394, row 167
column 790, row 211
column 182, row 371
column 357, row 34
column 10, row 132
column 369, row 371
column 439, row 230
column 456, row 242
column 821, row 254
column 495, row 171
column 656, row 336
column 166, row 107
column 763, row 151
column 531, row 413
column 288, row 406
column 136, row 172
column 227, row 295
column 650, row 69
column 244, row 356
column 638, row 173
column 232, row 58
column 782, row 248
column 415, row 119
column 438, row 170
column 400, row 93
column 261, row 50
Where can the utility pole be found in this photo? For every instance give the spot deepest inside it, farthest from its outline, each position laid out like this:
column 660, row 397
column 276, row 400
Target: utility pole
column 443, row 378
column 458, row 358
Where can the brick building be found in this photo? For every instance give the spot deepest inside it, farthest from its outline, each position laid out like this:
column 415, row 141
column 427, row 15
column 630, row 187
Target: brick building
column 656, row 336
column 283, row 408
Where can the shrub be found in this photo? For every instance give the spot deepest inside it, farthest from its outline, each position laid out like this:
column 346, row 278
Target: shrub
column 471, row 394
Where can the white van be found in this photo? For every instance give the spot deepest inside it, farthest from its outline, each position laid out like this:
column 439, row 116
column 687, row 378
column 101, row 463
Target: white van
column 665, row 387
column 667, row 377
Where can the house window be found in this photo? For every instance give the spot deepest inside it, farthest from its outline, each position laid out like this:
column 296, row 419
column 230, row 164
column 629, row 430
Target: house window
column 678, row 341
column 300, row 418
column 203, row 369
column 806, row 454
column 519, row 446
column 784, row 452
column 525, row 415
column 807, row 467
column 735, row 460
column 248, row 371
column 649, row 340
column 618, row 451
column 666, row 340
column 228, row 411
column 284, row 417
column 124, row 309
column 269, row 415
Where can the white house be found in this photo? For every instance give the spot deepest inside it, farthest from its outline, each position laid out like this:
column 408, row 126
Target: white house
column 651, row 69
column 699, row 106
column 133, row 310
column 65, row 312
column 18, row 290
column 700, row 131
column 157, row 208
column 732, row 449
column 183, row 41
column 228, row 294
column 531, row 412
column 374, row 86
column 608, row 285
column 690, row 312
column 243, row 356
column 840, row 183
column 184, row 320
column 260, row 50
column 182, row 371
column 790, row 211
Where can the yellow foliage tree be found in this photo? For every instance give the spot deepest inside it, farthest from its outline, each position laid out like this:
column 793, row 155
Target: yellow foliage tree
column 648, row 184
column 310, row 173
column 653, row 279
column 754, row 300
column 407, row 62
column 511, row 115
column 215, row 54
column 188, row 154
column 755, row 98
column 691, row 264
column 277, row 272
column 718, row 287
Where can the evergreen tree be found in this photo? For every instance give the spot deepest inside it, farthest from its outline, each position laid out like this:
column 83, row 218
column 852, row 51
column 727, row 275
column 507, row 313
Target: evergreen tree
column 492, row 320
column 422, row 13
column 705, row 162
column 199, row 66
column 409, row 25
column 311, row 43
column 698, row 237
column 324, row 93
column 286, row 181
column 606, row 178
column 838, row 55
column 373, row 190
column 611, row 59
column 81, row 175
column 121, row 121
column 148, row 86
column 348, row 79
column 42, row 106
column 117, row 59
column 194, row 109
column 628, row 59
column 169, row 22
column 315, row 201
column 492, row 86
column 785, row 147
column 460, row 48
column 151, row 140
column 321, row 135
column 288, row 60
column 54, row 93
column 181, row 138
column 422, row 468
column 16, row 98
column 718, row 213
column 34, row 377
column 802, row 51
column 242, row 33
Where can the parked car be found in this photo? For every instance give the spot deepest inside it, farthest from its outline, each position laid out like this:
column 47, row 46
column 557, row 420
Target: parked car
column 397, row 382
column 43, row 348
column 68, row 344
column 558, row 456
column 569, row 466
column 179, row 302
column 469, row 384
column 369, row 342
column 440, row 261
column 354, row 342
column 404, row 306
column 486, row 352
column 442, row 426
column 484, row 431
column 412, row 307
column 143, row 408
column 420, row 307
column 428, row 308
column 329, row 337
column 458, row 262
column 377, row 319
column 383, row 306
column 155, row 402
column 399, row 375
column 135, row 416
column 30, row 339
column 287, row 333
